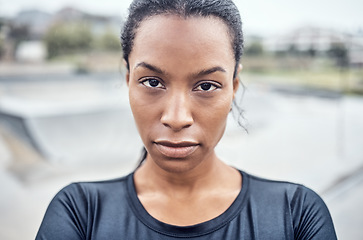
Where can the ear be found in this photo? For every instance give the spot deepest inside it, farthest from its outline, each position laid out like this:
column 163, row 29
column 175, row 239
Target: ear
column 236, row 80
column 127, row 75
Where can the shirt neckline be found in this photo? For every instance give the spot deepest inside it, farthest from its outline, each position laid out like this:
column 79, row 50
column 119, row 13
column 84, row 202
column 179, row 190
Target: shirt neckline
column 186, row 231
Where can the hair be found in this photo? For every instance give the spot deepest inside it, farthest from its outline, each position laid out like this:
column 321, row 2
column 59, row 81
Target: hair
column 224, row 10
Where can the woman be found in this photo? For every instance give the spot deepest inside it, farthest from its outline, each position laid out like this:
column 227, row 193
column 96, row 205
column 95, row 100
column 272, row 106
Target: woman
column 182, row 58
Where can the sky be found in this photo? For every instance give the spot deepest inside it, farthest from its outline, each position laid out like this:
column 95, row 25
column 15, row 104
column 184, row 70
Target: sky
column 260, row 17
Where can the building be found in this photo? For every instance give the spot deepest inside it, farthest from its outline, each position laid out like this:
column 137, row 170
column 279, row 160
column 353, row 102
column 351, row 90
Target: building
column 317, row 41
column 37, row 22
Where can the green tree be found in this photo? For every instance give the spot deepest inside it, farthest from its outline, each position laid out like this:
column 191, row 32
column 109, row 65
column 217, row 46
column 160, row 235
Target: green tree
column 109, row 41
column 254, row 49
column 2, row 41
column 18, row 33
column 2, row 47
column 65, row 38
column 311, row 52
column 339, row 52
column 292, row 50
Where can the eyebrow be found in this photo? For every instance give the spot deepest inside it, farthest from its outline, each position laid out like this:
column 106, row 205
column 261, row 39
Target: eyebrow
column 150, row 67
column 208, row 71
column 202, row 73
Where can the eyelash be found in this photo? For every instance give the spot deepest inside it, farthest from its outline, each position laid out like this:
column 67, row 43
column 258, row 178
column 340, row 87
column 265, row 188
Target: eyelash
column 146, row 83
column 213, row 86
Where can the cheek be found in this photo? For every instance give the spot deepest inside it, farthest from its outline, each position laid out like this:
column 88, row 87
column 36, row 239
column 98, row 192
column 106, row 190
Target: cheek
column 213, row 118
column 141, row 110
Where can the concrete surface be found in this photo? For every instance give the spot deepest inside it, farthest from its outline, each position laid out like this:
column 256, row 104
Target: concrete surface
column 313, row 140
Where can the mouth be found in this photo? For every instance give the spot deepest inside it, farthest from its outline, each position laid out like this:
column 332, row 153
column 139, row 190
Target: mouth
column 181, row 149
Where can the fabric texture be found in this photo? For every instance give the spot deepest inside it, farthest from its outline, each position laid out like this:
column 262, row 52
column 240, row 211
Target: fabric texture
column 264, row 209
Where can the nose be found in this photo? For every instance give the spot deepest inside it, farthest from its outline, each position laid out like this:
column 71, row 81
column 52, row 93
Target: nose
column 177, row 113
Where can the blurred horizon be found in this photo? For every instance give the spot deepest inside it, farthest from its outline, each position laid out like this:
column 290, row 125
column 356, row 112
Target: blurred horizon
column 281, row 15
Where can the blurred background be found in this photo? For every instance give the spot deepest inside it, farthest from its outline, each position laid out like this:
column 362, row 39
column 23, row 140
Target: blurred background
column 64, row 113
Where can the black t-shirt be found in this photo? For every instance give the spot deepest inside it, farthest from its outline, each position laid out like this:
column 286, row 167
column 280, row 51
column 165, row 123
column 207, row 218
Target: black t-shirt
column 264, row 209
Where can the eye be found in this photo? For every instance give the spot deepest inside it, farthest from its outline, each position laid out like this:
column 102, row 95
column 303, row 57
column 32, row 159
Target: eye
column 152, row 83
column 206, row 87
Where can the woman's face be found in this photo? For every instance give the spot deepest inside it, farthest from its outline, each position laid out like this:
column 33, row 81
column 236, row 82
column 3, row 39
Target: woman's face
column 181, row 88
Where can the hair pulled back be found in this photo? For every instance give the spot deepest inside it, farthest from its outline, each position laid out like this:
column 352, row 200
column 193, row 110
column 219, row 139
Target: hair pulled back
column 225, row 10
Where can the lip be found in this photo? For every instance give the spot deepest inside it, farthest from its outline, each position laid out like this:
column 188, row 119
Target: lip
column 180, row 149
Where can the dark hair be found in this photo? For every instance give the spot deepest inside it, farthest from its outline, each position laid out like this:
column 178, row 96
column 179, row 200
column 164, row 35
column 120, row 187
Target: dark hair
column 225, row 10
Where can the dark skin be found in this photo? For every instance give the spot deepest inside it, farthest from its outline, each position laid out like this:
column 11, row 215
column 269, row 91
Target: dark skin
column 181, row 89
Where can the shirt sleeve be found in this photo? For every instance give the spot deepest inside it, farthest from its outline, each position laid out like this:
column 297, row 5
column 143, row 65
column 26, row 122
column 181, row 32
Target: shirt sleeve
column 66, row 216
column 311, row 217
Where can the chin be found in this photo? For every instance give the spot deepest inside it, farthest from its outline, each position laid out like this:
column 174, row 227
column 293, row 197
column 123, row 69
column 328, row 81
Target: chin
column 176, row 165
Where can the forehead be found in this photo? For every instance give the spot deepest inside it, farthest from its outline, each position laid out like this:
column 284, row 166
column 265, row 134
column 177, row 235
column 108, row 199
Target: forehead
column 169, row 36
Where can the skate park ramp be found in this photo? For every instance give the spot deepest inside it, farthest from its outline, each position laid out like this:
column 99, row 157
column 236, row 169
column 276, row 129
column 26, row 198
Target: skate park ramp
column 83, row 136
column 74, row 123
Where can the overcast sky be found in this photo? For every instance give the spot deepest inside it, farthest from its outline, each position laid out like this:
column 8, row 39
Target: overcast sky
column 263, row 17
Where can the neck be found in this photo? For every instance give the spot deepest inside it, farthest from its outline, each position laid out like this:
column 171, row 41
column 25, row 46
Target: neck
column 209, row 174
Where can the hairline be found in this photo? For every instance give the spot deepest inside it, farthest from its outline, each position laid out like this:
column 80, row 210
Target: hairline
column 184, row 16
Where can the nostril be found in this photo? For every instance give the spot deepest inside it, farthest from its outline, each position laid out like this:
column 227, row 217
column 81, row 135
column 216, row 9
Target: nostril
column 177, row 113
column 176, row 124
column 177, row 121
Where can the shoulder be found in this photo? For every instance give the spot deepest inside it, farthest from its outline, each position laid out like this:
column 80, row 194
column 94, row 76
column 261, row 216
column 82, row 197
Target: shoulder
column 73, row 209
column 82, row 195
column 271, row 188
column 293, row 194
column 308, row 214
column 88, row 190
column 84, row 198
column 95, row 187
